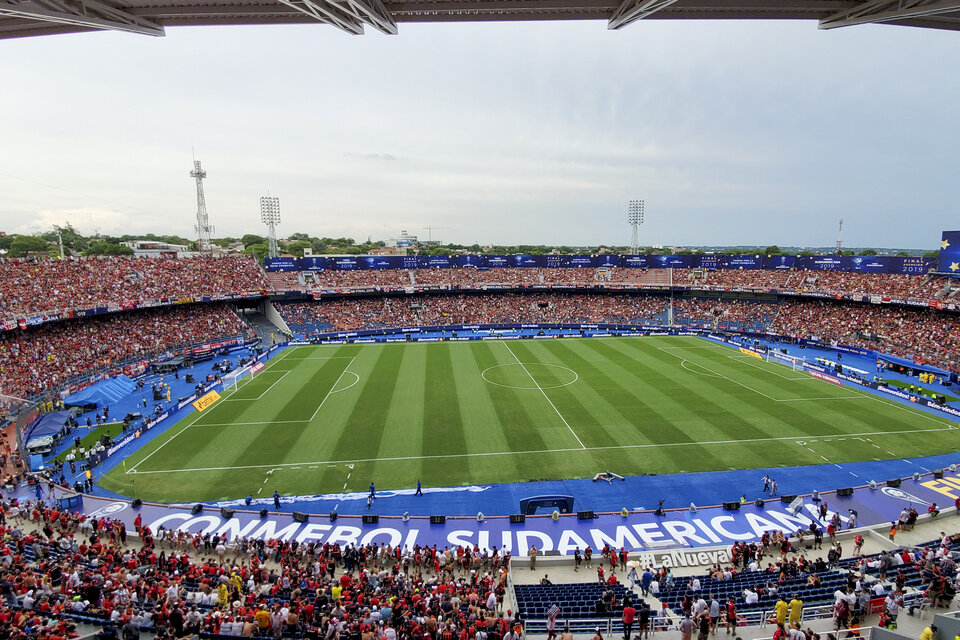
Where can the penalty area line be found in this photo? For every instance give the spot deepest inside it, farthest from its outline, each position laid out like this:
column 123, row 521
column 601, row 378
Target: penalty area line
column 539, row 451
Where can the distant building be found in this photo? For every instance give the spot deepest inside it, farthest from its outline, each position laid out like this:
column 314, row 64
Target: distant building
column 404, row 240
column 388, row 251
column 156, row 249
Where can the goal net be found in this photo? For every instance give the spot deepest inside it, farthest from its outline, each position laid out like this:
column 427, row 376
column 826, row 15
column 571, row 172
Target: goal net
column 232, row 380
column 793, row 362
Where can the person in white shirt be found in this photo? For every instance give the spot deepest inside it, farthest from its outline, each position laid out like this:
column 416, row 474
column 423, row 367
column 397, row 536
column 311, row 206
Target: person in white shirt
column 750, row 597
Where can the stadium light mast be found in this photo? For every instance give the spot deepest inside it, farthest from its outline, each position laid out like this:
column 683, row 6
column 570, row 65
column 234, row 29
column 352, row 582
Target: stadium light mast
column 270, row 216
column 635, row 218
column 839, row 237
column 203, row 228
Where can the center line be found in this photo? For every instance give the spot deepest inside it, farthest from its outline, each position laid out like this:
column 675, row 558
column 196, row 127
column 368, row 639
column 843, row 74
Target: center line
column 534, row 380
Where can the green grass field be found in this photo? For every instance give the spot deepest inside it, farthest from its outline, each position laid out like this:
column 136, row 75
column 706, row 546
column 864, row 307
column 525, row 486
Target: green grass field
column 326, row 419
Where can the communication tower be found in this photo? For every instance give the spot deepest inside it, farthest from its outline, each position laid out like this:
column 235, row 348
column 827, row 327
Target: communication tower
column 635, row 218
column 839, row 237
column 203, row 228
column 270, row 216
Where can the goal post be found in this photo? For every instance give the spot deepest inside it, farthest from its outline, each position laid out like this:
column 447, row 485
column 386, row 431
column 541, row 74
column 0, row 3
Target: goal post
column 231, row 380
column 793, row 362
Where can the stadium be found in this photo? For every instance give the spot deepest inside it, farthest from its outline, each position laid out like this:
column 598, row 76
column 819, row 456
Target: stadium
column 392, row 408
column 336, row 443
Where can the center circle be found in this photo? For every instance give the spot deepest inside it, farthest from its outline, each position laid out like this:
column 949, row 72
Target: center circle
column 537, row 375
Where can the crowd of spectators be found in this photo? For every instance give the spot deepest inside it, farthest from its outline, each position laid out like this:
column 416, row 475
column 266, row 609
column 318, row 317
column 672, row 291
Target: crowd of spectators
column 828, row 282
column 37, row 358
column 36, row 286
column 374, row 313
column 61, row 567
column 723, row 312
column 926, row 335
column 345, row 314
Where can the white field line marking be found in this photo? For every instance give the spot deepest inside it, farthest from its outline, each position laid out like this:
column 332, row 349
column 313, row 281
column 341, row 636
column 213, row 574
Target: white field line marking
column 511, row 453
column 746, row 361
column 737, row 382
column 234, row 424
column 331, row 389
column 860, row 392
column 746, row 386
column 892, row 403
column 323, row 358
column 537, row 384
column 200, row 414
column 267, row 390
column 683, row 363
column 355, row 381
column 133, row 469
column 830, row 398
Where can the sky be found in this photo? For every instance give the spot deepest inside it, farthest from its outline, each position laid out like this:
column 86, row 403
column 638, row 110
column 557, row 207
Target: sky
column 733, row 133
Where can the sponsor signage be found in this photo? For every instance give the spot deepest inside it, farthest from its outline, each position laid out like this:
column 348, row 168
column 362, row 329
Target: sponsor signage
column 206, row 401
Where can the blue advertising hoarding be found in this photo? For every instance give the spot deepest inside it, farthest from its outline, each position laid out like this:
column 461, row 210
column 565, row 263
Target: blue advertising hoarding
column 313, row 263
column 949, row 257
column 950, row 253
column 709, row 261
column 636, row 262
column 822, row 263
column 911, row 264
column 866, row 264
column 744, row 262
column 433, row 262
column 471, row 261
column 553, row 261
column 523, row 260
column 671, row 262
column 780, row 262
column 282, row 264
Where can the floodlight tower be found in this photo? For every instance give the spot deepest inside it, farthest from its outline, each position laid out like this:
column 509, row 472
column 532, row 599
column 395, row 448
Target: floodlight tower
column 635, row 218
column 839, row 237
column 270, row 216
column 203, row 228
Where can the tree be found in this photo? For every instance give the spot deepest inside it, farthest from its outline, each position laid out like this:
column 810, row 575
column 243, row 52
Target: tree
column 299, row 237
column 21, row 245
column 772, row 250
column 868, row 252
column 296, row 248
column 251, row 238
column 903, row 254
column 931, row 254
column 259, row 249
column 107, row 248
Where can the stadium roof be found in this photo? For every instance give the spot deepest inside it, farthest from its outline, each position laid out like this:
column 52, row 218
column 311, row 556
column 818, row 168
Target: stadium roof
column 20, row 18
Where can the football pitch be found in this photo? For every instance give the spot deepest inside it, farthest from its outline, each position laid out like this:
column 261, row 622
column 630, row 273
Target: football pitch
column 331, row 419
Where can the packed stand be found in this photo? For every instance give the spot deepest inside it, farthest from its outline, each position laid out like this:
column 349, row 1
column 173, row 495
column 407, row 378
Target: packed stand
column 747, row 279
column 35, row 286
column 376, row 313
column 919, row 287
column 705, row 310
column 61, row 567
column 924, row 335
column 45, row 356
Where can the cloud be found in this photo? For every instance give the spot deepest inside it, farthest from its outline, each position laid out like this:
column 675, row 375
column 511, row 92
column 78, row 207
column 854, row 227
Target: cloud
column 389, row 157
